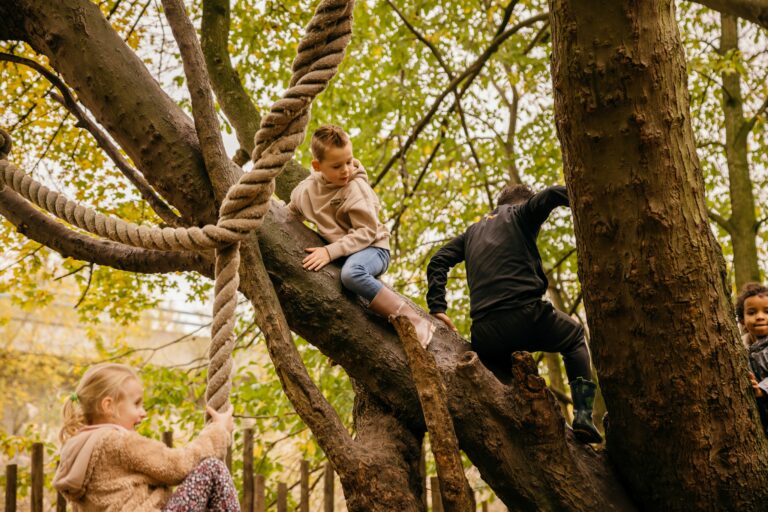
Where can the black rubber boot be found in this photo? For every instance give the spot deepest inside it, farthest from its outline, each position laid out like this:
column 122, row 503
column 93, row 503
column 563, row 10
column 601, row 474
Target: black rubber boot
column 583, row 394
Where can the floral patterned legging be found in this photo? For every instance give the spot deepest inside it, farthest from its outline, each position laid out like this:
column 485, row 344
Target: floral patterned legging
column 208, row 488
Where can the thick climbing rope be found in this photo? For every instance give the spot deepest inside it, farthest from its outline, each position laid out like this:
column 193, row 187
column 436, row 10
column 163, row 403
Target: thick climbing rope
column 282, row 130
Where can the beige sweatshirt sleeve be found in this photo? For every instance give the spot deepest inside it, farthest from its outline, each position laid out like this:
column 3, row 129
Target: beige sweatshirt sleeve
column 364, row 220
column 294, row 210
column 171, row 465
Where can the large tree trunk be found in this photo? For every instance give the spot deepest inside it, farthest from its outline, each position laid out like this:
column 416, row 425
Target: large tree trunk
column 683, row 430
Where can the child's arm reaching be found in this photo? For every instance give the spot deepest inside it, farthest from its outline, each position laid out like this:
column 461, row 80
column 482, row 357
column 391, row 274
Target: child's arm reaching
column 759, row 391
column 448, row 256
column 171, row 465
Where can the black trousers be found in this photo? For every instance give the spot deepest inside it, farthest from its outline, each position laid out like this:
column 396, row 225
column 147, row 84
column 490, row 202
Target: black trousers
column 535, row 327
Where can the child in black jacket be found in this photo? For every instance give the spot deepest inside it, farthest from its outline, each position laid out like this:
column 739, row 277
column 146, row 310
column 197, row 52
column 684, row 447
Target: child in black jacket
column 506, row 284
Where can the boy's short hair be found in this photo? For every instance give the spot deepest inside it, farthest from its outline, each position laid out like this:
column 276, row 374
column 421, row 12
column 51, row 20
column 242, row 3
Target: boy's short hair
column 327, row 136
column 512, row 194
column 747, row 291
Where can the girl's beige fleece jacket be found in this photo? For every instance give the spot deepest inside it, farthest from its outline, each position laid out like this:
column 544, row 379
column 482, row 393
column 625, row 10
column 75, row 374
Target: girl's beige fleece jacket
column 107, row 468
column 346, row 216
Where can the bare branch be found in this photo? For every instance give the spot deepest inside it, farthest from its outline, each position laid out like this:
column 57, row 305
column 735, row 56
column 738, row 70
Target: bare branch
column 220, row 169
column 226, row 83
column 465, row 77
column 560, row 261
column 66, row 99
column 70, row 273
column 721, row 221
column 30, row 253
column 750, row 123
column 755, row 11
column 71, row 244
column 87, row 286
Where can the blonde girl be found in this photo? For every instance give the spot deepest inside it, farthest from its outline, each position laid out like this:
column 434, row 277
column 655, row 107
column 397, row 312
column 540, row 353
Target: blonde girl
column 107, row 466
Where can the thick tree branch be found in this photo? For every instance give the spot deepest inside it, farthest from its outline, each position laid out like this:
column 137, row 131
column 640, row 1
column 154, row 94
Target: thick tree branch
column 755, row 11
column 144, row 121
column 469, row 74
column 220, row 169
column 304, row 395
column 66, row 99
column 226, row 83
column 45, row 230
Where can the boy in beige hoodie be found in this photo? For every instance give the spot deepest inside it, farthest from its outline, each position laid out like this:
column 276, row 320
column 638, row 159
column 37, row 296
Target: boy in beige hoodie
column 339, row 201
column 106, row 466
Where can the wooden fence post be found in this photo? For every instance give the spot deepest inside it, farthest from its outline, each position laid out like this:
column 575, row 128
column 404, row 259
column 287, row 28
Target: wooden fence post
column 247, row 503
column 423, row 473
column 61, row 503
column 328, row 488
column 37, row 477
column 282, row 497
column 11, row 473
column 304, row 496
column 437, row 504
column 260, row 498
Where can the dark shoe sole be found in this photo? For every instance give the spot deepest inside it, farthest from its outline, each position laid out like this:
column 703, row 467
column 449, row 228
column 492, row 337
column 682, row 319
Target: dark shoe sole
column 586, row 436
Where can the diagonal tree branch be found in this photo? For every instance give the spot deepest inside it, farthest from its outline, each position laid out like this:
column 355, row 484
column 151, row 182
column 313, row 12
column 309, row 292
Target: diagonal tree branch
column 45, row 230
column 457, row 97
column 466, row 77
column 226, row 83
column 750, row 123
column 220, row 169
column 66, row 99
column 721, row 221
column 755, row 11
column 304, row 395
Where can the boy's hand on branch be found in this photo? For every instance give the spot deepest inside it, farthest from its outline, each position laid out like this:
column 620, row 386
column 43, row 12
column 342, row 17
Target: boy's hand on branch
column 446, row 320
column 758, row 391
column 223, row 418
column 317, row 259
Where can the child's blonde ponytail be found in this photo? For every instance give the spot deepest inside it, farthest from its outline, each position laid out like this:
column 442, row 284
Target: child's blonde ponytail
column 83, row 407
column 73, row 418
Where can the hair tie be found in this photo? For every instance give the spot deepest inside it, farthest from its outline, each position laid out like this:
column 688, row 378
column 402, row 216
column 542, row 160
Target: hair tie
column 74, row 397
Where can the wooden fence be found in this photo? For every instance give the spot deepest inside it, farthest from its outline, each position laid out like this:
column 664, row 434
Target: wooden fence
column 253, row 487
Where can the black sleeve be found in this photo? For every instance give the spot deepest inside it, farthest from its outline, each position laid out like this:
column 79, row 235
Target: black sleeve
column 442, row 261
column 536, row 210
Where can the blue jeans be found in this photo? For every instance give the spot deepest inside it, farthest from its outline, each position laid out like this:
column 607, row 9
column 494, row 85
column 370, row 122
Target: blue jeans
column 359, row 272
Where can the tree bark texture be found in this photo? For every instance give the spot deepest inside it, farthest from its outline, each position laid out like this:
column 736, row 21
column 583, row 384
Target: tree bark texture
column 387, row 477
column 684, row 432
column 742, row 226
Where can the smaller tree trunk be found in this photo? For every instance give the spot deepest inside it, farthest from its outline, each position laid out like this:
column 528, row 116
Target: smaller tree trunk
column 743, row 221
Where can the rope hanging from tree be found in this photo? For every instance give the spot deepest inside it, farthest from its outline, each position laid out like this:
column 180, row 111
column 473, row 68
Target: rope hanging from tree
column 282, row 130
